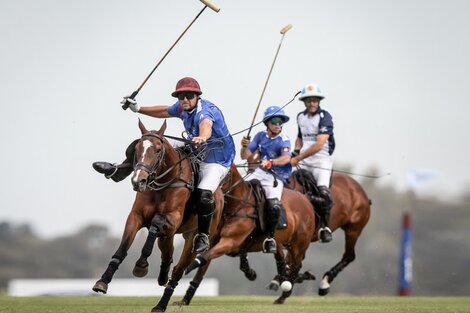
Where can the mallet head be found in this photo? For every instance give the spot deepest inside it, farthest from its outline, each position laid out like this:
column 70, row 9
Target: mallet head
column 285, row 29
column 211, row 5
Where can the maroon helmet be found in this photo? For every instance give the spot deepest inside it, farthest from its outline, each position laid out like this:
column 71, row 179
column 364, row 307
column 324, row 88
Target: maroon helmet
column 187, row 84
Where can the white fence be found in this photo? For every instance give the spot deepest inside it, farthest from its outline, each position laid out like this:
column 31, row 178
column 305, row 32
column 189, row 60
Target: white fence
column 118, row 287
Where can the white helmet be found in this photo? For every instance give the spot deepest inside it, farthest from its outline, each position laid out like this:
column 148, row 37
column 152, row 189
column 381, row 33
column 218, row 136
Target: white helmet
column 311, row 90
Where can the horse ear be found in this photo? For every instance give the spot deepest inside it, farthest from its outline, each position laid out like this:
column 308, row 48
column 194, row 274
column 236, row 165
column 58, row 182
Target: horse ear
column 142, row 127
column 163, row 128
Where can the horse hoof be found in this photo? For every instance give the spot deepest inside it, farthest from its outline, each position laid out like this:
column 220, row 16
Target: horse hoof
column 140, row 271
column 251, row 275
column 279, row 301
column 323, row 292
column 273, row 285
column 100, row 286
column 157, row 309
column 180, row 303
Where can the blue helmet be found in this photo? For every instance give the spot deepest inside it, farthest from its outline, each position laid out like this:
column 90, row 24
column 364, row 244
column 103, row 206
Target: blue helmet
column 275, row 111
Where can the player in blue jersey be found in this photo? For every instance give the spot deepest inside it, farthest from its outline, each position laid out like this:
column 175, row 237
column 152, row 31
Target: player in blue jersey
column 314, row 146
column 274, row 150
column 204, row 124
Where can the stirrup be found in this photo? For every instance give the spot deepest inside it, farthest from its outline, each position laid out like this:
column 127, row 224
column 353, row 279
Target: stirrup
column 112, row 174
column 200, row 243
column 272, row 245
column 327, row 235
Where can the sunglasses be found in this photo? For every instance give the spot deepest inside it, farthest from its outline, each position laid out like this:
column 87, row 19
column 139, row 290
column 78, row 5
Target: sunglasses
column 276, row 121
column 188, row 95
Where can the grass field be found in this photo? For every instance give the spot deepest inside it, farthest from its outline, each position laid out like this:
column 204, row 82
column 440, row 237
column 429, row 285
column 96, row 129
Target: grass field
column 238, row 304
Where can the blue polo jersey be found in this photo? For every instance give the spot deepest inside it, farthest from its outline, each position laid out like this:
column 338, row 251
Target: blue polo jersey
column 272, row 148
column 220, row 148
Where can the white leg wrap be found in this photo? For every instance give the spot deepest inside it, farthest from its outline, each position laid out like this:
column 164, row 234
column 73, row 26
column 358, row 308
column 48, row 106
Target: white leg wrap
column 324, row 283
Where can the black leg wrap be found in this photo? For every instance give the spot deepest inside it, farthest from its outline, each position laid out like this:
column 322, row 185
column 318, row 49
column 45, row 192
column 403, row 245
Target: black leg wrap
column 163, row 275
column 149, row 243
column 198, row 262
column 190, row 292
column 245, row 268
column 163, row 303
column 281, row 266
column 112, row 268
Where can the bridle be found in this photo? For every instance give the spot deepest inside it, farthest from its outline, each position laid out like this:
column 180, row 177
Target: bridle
column 154, row 178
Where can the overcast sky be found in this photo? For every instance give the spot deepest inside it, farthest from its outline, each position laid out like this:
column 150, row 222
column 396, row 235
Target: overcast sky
column 394, row 73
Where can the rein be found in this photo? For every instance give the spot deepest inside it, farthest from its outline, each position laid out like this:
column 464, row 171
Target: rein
column 243, row 201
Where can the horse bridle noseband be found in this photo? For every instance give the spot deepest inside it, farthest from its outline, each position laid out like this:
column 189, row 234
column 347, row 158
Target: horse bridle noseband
column 152, row 182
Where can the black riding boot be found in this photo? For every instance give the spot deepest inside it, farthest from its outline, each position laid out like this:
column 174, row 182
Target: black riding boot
column 205, row 209
column 325, row 232
column 273, row 209
column 118, row 172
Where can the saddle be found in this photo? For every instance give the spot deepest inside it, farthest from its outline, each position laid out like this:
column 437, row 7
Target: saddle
column 260, row 197
column 306, row 179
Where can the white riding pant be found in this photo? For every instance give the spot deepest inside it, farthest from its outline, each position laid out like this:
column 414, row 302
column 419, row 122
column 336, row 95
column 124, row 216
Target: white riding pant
column 210, row 175
column 267, row 181
column 321, row 169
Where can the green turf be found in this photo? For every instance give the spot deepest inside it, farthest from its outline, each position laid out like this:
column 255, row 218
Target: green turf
column 238, row 304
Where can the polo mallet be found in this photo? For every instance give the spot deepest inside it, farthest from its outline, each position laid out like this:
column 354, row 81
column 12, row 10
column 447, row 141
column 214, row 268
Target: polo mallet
column 284, row 30
column 134, row 94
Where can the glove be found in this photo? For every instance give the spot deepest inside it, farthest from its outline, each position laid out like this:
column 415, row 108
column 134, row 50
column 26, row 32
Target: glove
column 132, row 103
column 245, row 141
column 267, row 164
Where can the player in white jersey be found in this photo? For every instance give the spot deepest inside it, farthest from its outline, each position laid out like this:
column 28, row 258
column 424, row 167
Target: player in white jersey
column 314, row 146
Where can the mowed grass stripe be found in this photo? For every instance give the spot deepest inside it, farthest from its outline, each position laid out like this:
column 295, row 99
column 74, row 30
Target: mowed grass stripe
column 238, row 304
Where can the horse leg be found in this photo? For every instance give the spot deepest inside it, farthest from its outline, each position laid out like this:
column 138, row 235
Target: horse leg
column 133, row 224
column 184, row 260
column 294, row 261
column 226, row 245
column 281, row 270
column 245, row 267
column 193, row 285
column 349, row 255
column 166, row 247
column 141, row 266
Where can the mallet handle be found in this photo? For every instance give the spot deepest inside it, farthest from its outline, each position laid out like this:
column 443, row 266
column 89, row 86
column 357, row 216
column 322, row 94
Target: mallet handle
column 211, row 5
column 125, row 106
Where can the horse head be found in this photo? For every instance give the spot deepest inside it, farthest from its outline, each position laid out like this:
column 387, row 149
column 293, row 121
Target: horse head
column 149, row 156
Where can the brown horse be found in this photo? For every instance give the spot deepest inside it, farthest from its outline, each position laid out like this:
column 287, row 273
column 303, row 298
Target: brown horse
column 350, row 212
column 163, row 178
column 239, row 231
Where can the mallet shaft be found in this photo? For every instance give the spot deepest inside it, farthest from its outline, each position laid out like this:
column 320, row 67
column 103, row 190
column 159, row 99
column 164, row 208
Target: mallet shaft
column 283, row 32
